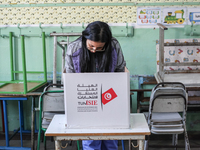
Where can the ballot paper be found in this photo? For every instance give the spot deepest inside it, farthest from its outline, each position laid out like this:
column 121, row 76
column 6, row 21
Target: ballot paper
column 97, row 100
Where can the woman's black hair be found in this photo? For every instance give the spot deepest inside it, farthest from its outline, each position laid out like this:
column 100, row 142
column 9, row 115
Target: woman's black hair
column 99, row 32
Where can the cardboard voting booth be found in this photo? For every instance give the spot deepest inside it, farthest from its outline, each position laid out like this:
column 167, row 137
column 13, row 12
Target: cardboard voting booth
column 97, row 100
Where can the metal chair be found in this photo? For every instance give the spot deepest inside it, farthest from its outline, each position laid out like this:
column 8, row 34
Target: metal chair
column 167, row 100
column 51, row 102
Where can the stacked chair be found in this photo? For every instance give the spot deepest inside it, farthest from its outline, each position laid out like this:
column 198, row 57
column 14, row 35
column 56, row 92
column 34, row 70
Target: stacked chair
column 51, row 102
column 167, row 112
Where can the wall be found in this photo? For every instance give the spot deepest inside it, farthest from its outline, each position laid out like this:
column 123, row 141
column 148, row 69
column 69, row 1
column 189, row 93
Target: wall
column 31, row 17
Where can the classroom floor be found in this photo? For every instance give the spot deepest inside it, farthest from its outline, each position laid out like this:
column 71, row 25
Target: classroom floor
column 155, row 139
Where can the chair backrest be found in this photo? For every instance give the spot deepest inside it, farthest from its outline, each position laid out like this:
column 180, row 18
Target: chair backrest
column 52, row 100
column 168, row 99
column 170, row 84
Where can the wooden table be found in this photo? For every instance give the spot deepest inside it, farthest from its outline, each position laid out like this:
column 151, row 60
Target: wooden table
column 137, row 131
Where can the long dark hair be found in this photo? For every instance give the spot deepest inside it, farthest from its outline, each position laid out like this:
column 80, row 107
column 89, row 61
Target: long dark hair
column 99, row 32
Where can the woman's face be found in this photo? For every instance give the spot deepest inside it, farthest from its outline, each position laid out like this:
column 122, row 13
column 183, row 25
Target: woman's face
column 95, row 46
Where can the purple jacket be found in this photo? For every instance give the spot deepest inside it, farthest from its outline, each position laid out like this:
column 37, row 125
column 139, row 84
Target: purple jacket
column 72, row 57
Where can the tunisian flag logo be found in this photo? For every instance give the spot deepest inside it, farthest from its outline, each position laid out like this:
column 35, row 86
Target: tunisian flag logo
column 108, row 96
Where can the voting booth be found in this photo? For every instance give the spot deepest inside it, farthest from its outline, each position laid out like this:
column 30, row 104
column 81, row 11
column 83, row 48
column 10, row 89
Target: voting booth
column 97, row 100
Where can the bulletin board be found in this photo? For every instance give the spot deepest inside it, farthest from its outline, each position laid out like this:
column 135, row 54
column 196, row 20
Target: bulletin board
column 175, row 16
column 148, row 16
column 194, row 15
column 168, row 15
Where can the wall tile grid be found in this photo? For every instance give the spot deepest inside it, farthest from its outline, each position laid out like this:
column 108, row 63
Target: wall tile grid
column 179, row 54
column 69, row 14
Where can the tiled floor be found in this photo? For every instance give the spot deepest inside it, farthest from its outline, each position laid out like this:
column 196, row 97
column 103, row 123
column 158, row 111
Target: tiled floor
column 15, row 142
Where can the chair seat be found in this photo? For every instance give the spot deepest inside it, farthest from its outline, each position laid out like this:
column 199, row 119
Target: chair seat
column 166, row 117
column 45, row 123
column 177, row 130
column 47, row 117
column 166, row 132
column 167, row 125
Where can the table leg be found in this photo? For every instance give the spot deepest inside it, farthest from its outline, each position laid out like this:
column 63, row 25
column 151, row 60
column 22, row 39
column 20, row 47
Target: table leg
column 57, row 145
column 20, row 121
column 6, row 123
column 129, row 145
column 141, row 144
column 2, row 115
column 140, row 95
column 33, row 124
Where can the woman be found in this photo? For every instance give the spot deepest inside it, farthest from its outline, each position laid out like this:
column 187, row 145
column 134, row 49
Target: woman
column 95, row 51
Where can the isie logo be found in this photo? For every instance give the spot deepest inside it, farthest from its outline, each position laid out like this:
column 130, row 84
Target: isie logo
column 108, row 96
column 105, row 97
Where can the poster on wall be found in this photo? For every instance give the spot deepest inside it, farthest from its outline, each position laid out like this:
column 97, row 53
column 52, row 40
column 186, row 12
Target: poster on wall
column 194, row 15
column 179, row 54
column 174, row 16
column 148, row 16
